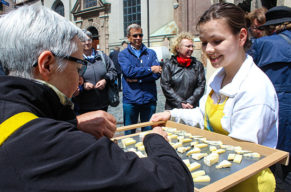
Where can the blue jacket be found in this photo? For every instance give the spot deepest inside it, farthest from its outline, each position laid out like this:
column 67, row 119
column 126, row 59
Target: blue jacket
column 273, row 55
column 144, row 91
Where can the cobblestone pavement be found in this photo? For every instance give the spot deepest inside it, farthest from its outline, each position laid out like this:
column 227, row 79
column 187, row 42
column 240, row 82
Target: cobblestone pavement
column 117, row 112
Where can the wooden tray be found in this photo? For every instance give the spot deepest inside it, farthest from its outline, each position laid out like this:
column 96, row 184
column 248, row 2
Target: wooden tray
column 270, row 156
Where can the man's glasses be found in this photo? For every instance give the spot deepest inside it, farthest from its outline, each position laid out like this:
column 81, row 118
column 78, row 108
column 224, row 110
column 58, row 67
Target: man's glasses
column 83, row 63
column 81, row 70
column 136, row 35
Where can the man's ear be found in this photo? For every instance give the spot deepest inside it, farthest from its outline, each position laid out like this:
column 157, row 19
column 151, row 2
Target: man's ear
column 45, row 66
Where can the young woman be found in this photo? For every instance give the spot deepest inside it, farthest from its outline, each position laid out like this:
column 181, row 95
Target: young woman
column 183, row 77
column 242, row 101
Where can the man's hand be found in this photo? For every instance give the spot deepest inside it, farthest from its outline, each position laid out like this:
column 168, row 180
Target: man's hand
column 156, row 69
column 131, row 80
column 97, row 123
column 100, row 84
column 159, row 130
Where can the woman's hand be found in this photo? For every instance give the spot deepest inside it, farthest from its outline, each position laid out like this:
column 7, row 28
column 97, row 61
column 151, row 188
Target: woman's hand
column 100, row 84
column 88, row 86
column 187, row 106
column 163, row 116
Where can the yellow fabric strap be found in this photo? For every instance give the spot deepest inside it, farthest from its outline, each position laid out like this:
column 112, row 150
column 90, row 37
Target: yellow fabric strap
column 9, row 126
column 213, row 115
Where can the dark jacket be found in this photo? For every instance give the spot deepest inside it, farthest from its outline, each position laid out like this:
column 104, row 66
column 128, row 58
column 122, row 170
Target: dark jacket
column 273, row 55
column 50, row 154
column 114, row 57
column 182, row 84
column 144, row 91
column 1, row 70
column 95, row 99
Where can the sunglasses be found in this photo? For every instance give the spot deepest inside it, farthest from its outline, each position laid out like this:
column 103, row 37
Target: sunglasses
column 136, row 35
column 81, row 70
column 256, row 28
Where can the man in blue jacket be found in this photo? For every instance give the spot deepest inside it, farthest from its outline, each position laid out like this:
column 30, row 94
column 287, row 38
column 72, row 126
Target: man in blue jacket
column 272, row 54
column 140, row 69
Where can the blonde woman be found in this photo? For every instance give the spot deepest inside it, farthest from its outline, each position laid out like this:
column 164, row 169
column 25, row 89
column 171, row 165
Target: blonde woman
column 183, row 77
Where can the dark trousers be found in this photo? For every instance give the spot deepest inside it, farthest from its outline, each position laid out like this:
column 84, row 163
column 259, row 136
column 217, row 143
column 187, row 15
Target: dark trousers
column 131, row 113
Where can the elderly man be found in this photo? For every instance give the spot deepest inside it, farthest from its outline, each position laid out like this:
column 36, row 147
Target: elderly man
column 140, row 69
column 41, row 148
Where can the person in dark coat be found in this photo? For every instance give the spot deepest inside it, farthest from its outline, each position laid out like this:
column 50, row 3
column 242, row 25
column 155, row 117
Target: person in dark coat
column 44, row 146
column 99, row 74
column 272, row 53
column 183, row 77
column 114, row 57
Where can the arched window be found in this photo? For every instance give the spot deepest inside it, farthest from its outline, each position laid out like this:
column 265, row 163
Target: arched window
column 58, row 7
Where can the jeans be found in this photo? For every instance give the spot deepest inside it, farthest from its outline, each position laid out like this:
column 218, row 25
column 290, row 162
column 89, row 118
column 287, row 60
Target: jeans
column 131, row 112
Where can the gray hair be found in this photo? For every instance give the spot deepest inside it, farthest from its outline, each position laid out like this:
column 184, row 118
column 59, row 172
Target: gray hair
column 132, row 26
column 28, row 31
column 88, row 33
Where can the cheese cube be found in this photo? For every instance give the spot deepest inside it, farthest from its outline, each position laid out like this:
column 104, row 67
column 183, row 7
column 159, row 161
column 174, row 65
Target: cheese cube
column 212, row 148
column 187, row 162
column 194, row 166
column 201, row 145
column 223, row 164
column 198, row 173
column 253, row 155
column 219, row 151
column 183, row 149
column 186, row 140
column 141, row 148
column 131, row 150
column 211, row 159
column 127, row 141
column 256, row 155
column 194, row 143
column 198, row 156
column 203, row 178
column 240, row 151
column 194, row 150
column 231, row 156
column 176, row 145
column 170, row 137
column 237, row 158
column 138, row 144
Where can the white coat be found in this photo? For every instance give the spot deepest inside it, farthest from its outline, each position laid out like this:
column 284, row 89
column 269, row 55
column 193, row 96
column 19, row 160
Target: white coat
column 251, row 111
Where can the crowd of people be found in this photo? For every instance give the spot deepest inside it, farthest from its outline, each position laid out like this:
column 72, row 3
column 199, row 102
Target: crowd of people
column 54, row 126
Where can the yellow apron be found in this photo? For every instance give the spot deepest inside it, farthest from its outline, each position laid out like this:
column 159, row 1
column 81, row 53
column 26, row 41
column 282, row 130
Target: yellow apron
column 264, row 181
